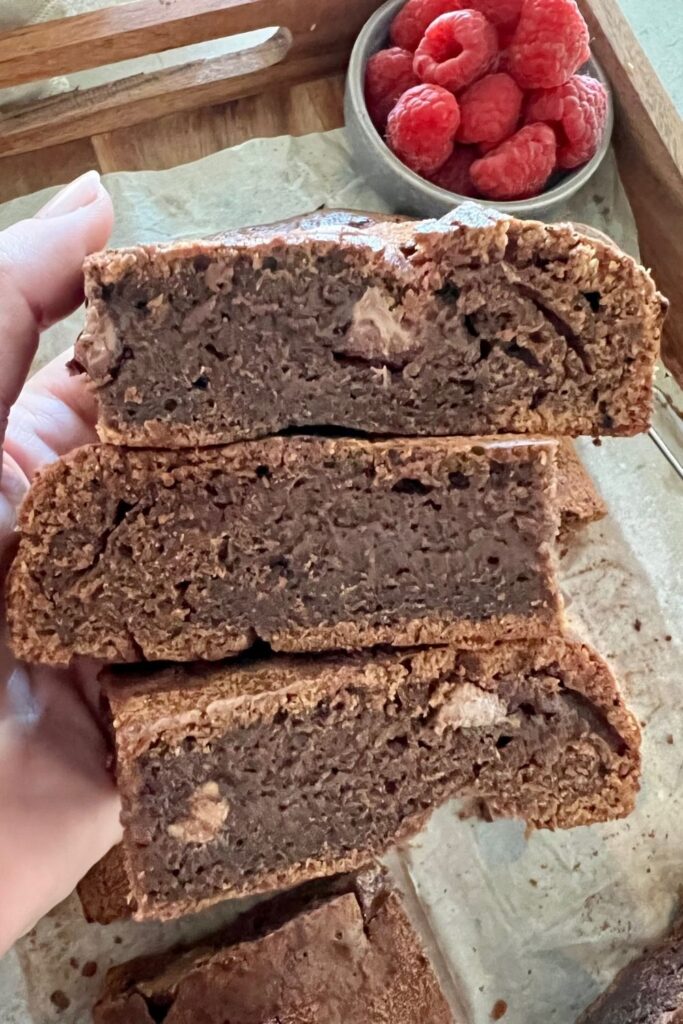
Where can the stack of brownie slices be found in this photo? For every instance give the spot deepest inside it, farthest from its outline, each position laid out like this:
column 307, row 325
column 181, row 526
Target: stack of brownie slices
column 322, row 522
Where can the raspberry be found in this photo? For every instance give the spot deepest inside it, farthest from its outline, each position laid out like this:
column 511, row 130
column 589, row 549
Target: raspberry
column 550, row 44
column 456, row 48
column 501, row 13
column 454, row 175
column 519, row 167
column 577, row 111
column 422, row 126
column 387, row 76
column 490, row 109
column 411, row 22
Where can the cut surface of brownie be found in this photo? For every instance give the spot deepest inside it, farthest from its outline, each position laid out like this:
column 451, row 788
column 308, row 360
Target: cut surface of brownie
column 246, row 777
column 649, row 990
column 305, row 543
column 333, row 953
column 474, row 324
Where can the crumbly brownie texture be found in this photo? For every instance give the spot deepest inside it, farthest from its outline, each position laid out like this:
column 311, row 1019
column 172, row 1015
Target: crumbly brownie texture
column 577, row 496
column 473, row 324
column 244, row 778
column 305, row 543
column 647, row 991
column 105, row 891
column 335, row 957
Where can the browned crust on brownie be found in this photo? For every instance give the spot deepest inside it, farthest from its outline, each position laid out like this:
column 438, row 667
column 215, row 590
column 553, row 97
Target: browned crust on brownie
column 479, row 237
column 648, row 990
column 379, row 974
column 202, row 700
column 49, row 509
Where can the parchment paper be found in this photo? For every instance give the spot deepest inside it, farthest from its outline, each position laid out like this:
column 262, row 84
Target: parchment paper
column 540, row 922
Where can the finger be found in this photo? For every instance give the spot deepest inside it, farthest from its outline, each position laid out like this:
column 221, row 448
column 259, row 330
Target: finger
column 41, row 274
column 54, row 413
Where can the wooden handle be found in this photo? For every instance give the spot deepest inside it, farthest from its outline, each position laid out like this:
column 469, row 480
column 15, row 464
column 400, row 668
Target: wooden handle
column 311, row 41
column 66, row 45
column 649, row 145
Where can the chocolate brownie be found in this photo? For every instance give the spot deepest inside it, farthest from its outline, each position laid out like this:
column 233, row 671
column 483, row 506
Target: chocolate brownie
column 577, row 497
column 473, row 324
column 647, row 991
column 305, row 543
column 251, row 776
column 338, row 952
column 105, row 891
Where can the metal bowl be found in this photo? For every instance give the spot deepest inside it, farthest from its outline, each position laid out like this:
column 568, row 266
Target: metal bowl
column 407, row 192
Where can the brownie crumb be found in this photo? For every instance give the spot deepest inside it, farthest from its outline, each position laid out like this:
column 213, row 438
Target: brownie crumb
column 60, row 1000
column 500, row 1008
column 534, row 882
column 597, row 442
column 670, row 740
column 668, row 638
column 637, row 625
column 73, row 962
column 89, row 969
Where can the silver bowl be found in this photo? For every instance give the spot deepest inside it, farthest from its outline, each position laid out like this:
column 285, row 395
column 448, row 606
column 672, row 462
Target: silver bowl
column 407, row 192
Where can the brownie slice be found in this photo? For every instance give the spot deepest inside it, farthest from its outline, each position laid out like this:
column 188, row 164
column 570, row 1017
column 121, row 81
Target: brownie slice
column 246, row 777
column 579, row 501
column 338, row 952
column 308, row 544
column 473, row 324
column 647, row 991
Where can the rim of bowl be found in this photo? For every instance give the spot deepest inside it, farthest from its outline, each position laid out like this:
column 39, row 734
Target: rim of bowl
column 566, row 188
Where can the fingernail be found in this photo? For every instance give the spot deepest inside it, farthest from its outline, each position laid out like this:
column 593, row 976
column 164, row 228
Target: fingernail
column 79, row 193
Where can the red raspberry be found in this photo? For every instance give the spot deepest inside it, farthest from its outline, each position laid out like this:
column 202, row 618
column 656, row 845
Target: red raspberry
column 550, row 44
column 411, row 22
column 456, row 48
column 387, row 76
column 501, row 13
column 490, row 109
column 578, row 113
column 422, row 126
column 519, row 167
column 454, row 175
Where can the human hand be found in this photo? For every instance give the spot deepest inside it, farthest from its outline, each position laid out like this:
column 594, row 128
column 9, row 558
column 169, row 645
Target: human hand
column 59, row 811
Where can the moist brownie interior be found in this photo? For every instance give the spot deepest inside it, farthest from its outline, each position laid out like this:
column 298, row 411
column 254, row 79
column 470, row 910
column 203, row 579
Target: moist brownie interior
column 475, row 324
column 305, row 543
column 243, row 778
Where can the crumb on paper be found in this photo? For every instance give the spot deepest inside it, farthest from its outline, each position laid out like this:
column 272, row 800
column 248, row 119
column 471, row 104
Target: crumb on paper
column 500, row 1008
column 637, row 625
column 89, row 969
column 670, row 740
column 60, row 999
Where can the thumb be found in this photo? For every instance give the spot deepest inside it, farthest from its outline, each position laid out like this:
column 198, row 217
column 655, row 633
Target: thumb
column 41, row 274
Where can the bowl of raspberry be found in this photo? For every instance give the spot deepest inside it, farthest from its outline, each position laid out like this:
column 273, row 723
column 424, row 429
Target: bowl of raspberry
column 495, row 100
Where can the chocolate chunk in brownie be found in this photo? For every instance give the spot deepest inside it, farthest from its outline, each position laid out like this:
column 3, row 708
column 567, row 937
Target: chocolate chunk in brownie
column 321, row 956
column 647, row 991
column 473, row 324
column 247, row 777
column 305, row 543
